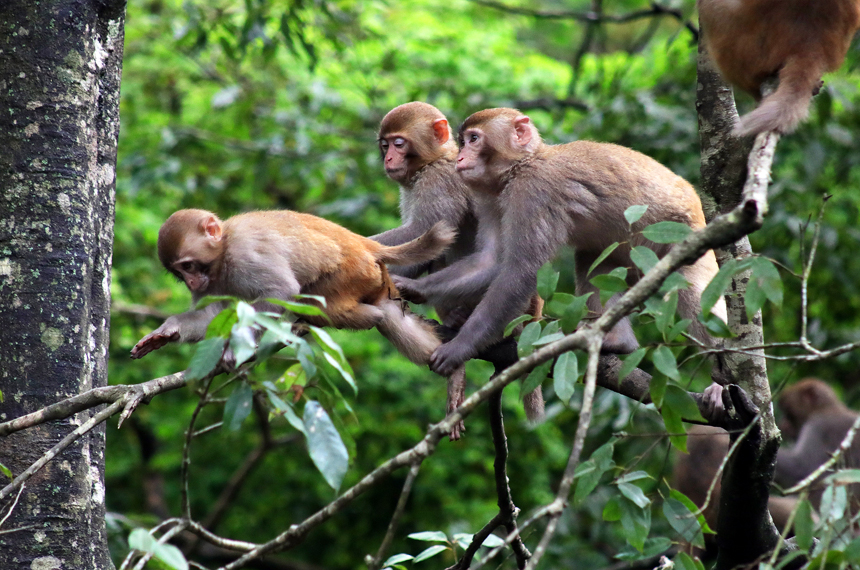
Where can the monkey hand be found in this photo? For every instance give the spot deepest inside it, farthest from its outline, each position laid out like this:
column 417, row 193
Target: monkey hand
column 449, row 356
column 155, row 340
column 407, row 289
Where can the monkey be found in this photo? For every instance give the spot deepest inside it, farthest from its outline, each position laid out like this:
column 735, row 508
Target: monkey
column 279, row 254
column 419, row 152
column 575, row 194
column 818, row 421
column 694, row 471
column 796, row 40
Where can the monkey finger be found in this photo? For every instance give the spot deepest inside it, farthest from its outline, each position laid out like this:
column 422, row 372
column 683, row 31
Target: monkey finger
column 715, row 407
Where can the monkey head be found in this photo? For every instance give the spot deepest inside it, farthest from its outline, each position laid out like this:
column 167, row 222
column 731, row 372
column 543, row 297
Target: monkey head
column 491, row 141
column 412, row 136
column 190, row 246
column 800, row 401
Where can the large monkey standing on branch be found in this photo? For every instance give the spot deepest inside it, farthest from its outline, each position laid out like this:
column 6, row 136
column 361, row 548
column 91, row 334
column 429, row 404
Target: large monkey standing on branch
column 575, row 194
column 796, row 40
column 279, row 254
column 419, row 153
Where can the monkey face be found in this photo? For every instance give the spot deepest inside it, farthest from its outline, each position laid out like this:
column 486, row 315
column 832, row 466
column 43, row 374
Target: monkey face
column 396, row 152
column 470, row 164
column 194, row 273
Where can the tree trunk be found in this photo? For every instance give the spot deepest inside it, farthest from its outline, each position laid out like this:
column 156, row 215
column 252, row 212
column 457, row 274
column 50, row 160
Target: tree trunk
column 60, row 68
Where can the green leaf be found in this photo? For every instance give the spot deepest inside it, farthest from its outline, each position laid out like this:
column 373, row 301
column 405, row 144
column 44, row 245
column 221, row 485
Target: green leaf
column 666, row 316
column 302, row 308
column 327, row 343
column 674, row 282
column 678, row 328
column 675, row 427
column 205, row 359
column 6, row 471
column 635, row 494
column 325, row 446
column 556, row 306
column 547, row 281
column 682, row 402
column 242, row 343
column 535, row 378
column 306, row 357
column 634, row 213
column 396, row 559
column 692, row 507
column 665, row 362
column 574, row 313
column 718, row 285
column 852, row 551
column 548, row 338
column 716, row 326
column 430, row 552
column 565, row 375
column 608, row 285
column 606, row 253
column 285, row 408
column 657, row 389
column 636, row 522
column 344, row 371
column 666, row 232
column 238, row 406
column 844, row 477
column 643, row 258
column 139, row 539
column 684, row 561
column 612, row 510
column 492, row 541
column 588, row 473
column 515, row 323
column 764, row 283
column 631, row 362
column 682, row 520
column 245, row 313
column 222, row 324
column 633, row 476
column 653, row 547
column 429, row 536
column 803, row 525
column 525, row 345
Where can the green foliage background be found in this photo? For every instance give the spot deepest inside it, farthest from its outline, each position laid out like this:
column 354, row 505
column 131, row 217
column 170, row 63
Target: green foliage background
column 235, row 106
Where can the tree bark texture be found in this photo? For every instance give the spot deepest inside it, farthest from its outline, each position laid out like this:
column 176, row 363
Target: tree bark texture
column 60, row 69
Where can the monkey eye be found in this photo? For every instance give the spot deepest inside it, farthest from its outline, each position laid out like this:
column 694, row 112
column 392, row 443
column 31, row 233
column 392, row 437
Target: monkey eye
column 399, row 142
column 383, row 144
column 473, row 137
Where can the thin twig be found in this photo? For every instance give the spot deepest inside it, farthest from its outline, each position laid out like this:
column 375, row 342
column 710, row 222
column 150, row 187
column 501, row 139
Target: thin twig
column 374, row 562
column 12, row 507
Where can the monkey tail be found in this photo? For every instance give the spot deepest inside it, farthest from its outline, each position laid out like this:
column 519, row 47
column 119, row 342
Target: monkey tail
column 426, row 247
column 785, row 108
column 533, row 404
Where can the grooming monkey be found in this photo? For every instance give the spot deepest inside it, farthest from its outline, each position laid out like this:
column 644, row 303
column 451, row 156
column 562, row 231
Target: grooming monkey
column 279, row 254
column 796, row 40
column 694, row 471
column 818, row 421
column 549, row 196
column 419, row 153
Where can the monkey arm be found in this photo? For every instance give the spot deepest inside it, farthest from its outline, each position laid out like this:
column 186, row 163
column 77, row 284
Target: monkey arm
column 186, row 327
column 505, row 300
column 463, row 282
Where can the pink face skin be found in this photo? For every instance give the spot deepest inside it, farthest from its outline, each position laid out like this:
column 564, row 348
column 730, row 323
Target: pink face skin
column 193, row 273
column 469, row 162
column 395, row 151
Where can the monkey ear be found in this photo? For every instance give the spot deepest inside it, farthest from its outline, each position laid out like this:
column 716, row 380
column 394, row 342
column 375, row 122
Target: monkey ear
column 440, row 129
column 212, row 228
column 523, row 130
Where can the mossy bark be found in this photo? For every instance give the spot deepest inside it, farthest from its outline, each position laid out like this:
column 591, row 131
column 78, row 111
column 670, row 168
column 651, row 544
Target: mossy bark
column 60, row 69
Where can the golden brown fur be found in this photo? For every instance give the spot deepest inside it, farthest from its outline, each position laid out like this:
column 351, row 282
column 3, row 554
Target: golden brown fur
column 798, row 40
column 279, row 254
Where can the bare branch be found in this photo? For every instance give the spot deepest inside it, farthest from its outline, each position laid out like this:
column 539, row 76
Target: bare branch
column 374, row 562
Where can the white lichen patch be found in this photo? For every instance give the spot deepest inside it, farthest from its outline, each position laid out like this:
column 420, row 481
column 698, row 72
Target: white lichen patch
column 7, row 268
column 32, row 105
column 52, row 338
column 31, row 129
column 47, row 563
column 106, row 174
column 40, row 536
column 98, row 494
column 65, row 202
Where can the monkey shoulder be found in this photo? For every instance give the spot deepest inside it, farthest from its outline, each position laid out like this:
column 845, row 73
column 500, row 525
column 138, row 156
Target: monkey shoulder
column 439, row 181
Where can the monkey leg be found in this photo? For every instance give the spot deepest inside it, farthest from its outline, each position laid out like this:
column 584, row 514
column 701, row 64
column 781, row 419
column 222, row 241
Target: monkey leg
column 415, row 338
